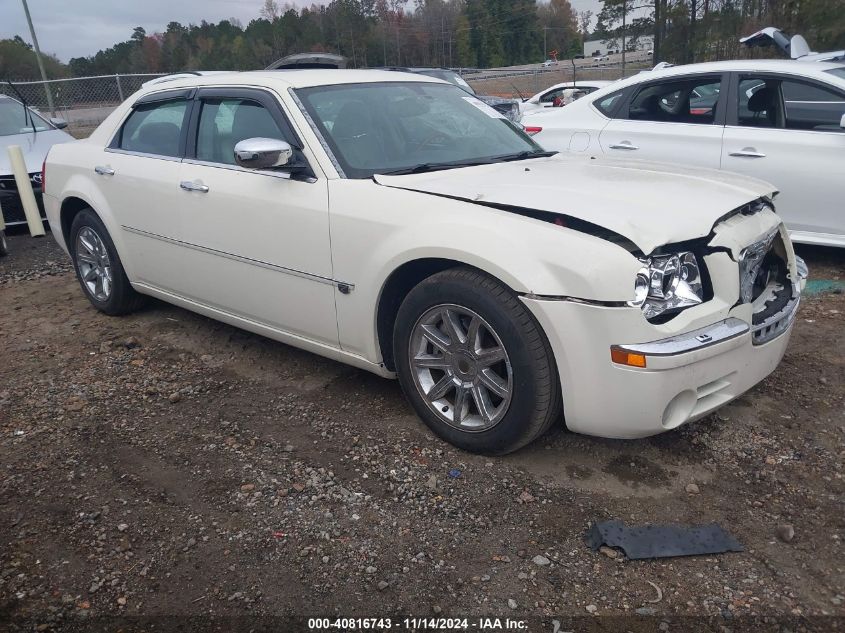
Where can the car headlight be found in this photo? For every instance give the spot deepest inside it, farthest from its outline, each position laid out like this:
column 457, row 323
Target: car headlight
column 667, row 282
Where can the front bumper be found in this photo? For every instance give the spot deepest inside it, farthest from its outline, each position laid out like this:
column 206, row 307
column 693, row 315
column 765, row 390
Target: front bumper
column 687, row 375
column 10, row 200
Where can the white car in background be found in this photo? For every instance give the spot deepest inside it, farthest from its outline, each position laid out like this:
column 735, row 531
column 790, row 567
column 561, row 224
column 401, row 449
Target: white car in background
column 546, row 98
column 778, row 120
column 394, row 222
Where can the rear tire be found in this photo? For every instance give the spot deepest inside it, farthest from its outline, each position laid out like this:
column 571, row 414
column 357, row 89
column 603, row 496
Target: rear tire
column 474, row 363
column 98, row 267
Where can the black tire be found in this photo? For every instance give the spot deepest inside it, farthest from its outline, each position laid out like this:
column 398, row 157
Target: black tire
column 122, row 299
column 4, row 246
column 535, row 401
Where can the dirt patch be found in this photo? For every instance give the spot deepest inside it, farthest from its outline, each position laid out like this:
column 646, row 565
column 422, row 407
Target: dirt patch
column 166, row 464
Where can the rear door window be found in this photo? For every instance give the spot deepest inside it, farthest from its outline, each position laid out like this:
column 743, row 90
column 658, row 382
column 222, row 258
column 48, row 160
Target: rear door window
column 155, row 128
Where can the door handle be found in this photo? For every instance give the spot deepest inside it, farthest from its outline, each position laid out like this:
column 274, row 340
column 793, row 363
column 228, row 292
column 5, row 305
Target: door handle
column 187, row 185
column 748, row 152
column 104, row 171
column 624, row 145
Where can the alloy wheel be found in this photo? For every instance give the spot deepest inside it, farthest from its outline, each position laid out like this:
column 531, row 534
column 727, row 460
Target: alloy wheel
column 92, row 260
column 460, row 367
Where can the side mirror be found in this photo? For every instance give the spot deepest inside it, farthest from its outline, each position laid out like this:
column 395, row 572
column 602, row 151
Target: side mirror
column 59, row 124
column 842, row 121
column 263, row 153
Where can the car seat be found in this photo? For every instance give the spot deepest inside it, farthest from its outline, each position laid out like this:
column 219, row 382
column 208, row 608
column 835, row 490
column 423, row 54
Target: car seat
column 763, row 108
column 357, row 135
column 158, row 138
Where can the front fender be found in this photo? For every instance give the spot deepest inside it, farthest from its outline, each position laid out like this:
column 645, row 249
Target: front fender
column 376, row 230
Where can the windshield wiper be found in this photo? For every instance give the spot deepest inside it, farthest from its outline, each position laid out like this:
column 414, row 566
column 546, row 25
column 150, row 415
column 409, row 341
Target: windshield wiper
column 522, row 156
column 426, row 167
column 27, row 115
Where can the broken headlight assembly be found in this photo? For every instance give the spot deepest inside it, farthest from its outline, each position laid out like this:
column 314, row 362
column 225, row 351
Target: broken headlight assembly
column 667, row 284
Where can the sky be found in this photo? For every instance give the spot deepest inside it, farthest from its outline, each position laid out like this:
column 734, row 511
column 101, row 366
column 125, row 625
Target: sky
column 92, row 25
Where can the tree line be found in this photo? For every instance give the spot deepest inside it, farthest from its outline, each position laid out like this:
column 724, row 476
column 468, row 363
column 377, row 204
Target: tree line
column 370, row 33
column 687, row 31
column 453, row 33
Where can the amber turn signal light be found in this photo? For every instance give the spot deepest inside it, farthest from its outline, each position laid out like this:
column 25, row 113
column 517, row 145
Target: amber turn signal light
column 624, row 357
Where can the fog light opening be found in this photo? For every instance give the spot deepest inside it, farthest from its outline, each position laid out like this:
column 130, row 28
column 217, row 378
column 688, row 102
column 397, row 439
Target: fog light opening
column 679, row 409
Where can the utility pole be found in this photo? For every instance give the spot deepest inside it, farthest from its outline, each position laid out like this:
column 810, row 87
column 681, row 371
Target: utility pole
column 38, row 58
column 624, row 22
column 545, row 47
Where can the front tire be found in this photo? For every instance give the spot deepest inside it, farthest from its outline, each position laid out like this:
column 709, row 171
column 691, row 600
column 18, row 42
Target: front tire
column 98, row 267
column 474, row 363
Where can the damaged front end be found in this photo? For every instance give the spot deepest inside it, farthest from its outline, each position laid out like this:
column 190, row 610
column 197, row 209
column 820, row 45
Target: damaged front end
column 771, row 276
column 766, row 283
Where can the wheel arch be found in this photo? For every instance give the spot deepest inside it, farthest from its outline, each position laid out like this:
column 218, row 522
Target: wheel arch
column 71, row 206
column 76, row 198
column 397, row 286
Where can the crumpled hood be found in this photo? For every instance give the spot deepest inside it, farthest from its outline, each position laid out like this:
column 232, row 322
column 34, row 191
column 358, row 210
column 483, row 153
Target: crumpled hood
column 34, row 147
column 651, row 204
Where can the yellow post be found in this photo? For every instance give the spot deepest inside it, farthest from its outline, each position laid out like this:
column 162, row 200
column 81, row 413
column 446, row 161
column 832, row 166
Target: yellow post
column 4, row 248
column 30, row 206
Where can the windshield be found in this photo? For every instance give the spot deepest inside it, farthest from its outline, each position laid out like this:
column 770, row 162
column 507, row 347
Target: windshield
column 14, row 121
column 378, row 128
column 838, row 72
column 447, row 75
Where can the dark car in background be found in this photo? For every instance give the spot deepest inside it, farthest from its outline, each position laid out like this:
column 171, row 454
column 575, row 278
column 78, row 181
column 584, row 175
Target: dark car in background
column 508, row 107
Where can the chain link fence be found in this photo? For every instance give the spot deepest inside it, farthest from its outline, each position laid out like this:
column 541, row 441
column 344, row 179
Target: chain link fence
column 514, row 82
column 84, row 102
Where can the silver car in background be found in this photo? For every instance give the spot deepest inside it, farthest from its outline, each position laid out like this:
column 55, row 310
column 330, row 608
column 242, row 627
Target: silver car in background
column 35, row 135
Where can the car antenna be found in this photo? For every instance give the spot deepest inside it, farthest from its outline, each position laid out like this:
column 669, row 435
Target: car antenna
column 521, row 96
column 27, row 115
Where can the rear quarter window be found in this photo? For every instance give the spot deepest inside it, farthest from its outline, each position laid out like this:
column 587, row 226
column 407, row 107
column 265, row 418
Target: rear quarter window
column 609, row 104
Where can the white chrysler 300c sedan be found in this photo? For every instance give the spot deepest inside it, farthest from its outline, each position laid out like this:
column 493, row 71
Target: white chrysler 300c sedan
column 395, row 223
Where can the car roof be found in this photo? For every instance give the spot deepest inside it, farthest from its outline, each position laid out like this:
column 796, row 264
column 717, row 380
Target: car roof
column 816, row 70
column 745, row 65
column 291, row 78
column 580, row 82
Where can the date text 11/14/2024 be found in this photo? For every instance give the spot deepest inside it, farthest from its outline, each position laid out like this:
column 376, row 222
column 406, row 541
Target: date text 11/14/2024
column 419, row 624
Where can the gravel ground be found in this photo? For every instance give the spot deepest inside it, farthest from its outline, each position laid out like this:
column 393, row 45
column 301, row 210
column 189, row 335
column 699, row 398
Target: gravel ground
column 164, row 464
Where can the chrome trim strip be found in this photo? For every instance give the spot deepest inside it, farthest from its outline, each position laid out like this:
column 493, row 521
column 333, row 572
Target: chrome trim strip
column 172, row 159
column 323, row 143
column 263, row 172
column 283, row 175
column 240, row 258
column 588, row 302
column 692, row 341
